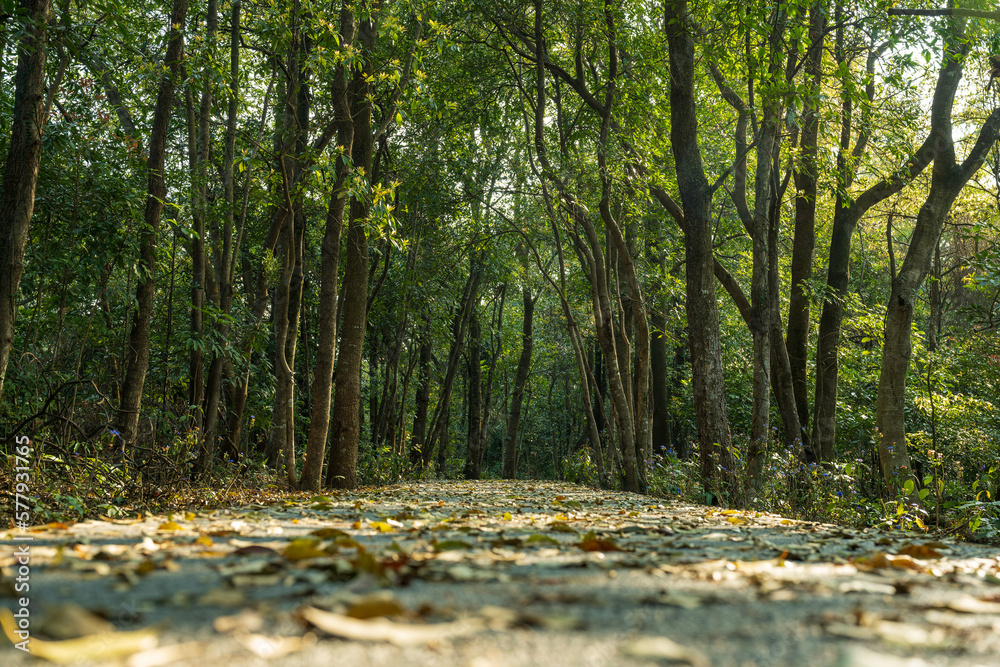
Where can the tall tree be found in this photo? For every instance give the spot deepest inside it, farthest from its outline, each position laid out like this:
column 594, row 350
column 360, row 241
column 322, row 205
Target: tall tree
column 520, row 382
column 137, row 355
column 948, row 177
column 711, row 411
column 329, row 261
column 20, row 175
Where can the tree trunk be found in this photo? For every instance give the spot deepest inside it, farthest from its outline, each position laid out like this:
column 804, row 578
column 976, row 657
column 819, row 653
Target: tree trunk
column 342, row 473
column 319, row 424
column 661, row 391
column 438, row 429
column 137, row 355
column 474, row 443
column 947, row 180
column 804, row 240
column 520, row 382
column 845, row 219
column 224, row 260
column 711, row 411
column 20, row 176
column 423, row 396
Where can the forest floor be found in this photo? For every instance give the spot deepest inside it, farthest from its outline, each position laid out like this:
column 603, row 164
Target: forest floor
column 496, row 573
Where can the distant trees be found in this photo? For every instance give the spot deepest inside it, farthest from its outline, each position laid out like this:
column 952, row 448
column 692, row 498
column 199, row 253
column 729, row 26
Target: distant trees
column 525, row 238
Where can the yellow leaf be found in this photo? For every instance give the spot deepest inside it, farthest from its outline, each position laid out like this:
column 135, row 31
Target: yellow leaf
column 507, row 516
column 542, row 539
column 100, row 647
column 735, row 520
column 328, row 533
column 204, row 541
column 382, row 527
column 145, row 567
column 170, row 525
column 303, row 548
column 375, row 606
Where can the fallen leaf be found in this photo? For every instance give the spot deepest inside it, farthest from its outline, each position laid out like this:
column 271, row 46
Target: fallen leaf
column 452, row 545
column 272, row 647
column 375, row 606
column 329, row 533
column 70, row 621
column 922, row 551
column 970, row 605
column 382, row 630
column 222, row 597
column 303, row 548
column 102, row 646
column 145, row 567
column 255, row 549
column 665, row 649
column 561, row 527
column 245, row 621
column 167, row 655
column 591, row 542
column 542, row 539
column 169, row 526
column 882, row 560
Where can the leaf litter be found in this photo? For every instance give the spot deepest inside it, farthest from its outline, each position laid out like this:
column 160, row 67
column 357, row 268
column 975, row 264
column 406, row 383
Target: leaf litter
column 450, row 564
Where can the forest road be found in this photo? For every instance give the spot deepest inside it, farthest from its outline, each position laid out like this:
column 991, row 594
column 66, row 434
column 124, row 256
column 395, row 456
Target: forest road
column 493, row 573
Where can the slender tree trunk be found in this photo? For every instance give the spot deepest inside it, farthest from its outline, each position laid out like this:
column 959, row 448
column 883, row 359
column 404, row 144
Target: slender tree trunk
column 438, row 426
column 474, row 442
column 138, row 349
column 520, row 382
column 225, row 259
column 947, row 180
column 423, row 396
column 342, row 473
column 312, row 470
column 711, row 411
column 804, row 240
column 661, row 392
column 934, row 317
column 20, row 176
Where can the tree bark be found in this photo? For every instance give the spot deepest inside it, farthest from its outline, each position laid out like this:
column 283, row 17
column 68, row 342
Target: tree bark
column 342, row 473
column 661, row 392
column 520, row 382
column 948, row 177
column 474, row 442
column 319, row 424
column 711, row 411
column 423, row 396
column 804, row 240
column 137, row 354
column 847, row 212
column 20, row 176
column 438, row 427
